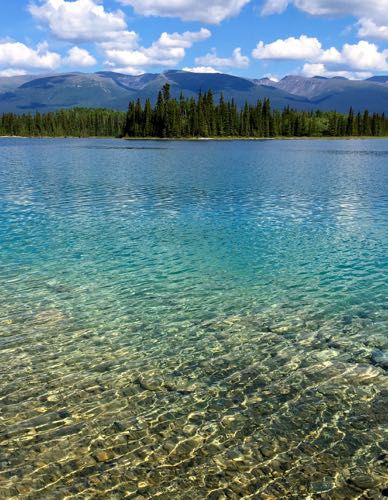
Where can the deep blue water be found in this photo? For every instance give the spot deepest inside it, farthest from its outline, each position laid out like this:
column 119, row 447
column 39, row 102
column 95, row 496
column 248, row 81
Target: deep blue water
column 178, row 288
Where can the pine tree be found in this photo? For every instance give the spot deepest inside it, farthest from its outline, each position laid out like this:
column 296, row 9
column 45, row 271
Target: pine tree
column 350, row 123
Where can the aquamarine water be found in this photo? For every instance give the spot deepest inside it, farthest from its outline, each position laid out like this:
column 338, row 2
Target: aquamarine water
column 193, row 320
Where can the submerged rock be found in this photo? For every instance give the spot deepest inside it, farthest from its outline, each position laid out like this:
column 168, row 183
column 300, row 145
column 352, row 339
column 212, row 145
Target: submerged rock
column 189, row 430
column 64, row 414
column 181, row 386
column 103, row 456
column 280, row 328
column 118, row 427
column 363, row 482
column 53, row 398
column 151, row 383
column 50, row 316
column 380, row 358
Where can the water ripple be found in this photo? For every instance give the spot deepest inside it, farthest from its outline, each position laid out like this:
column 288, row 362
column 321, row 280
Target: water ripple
column 206, row 321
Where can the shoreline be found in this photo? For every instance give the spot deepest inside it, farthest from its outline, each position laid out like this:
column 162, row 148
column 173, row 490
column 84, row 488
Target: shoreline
column 203, row 139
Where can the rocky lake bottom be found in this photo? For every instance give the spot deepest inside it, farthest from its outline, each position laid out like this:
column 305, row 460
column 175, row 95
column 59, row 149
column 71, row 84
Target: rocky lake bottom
column 278, row 405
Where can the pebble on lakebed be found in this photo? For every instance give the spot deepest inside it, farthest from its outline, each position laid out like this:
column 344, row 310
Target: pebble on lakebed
column 166, row 384
column 103, row 456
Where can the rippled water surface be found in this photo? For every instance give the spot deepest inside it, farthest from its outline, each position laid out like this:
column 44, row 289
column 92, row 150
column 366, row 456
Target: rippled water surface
column 193, row 320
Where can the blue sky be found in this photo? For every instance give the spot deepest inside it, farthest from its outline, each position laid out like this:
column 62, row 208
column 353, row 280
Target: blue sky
column 252, row 38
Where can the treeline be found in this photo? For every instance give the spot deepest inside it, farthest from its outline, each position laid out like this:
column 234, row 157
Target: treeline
column 186, row 118
column 202, row 117
column 77, row 122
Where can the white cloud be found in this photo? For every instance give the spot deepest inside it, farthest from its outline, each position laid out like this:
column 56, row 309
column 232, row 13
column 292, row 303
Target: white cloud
column 79, row 20
column 332, row 56
column 79, row 58
column 207, row 11
column 361, row 57
column 237, row 60
column 369, row 29
column 329, row 7
column 123, row 40
column 272, row 77
column 372, row 15
column 274, row 7
column 168, row 50
column 185, row 40
column 201, row 69
column 12, row 72
column 319, row 69
column 18, row 55
column 128, row 70
column 291, row 48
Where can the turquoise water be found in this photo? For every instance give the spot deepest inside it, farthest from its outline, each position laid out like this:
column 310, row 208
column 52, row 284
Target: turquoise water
column 193, row 319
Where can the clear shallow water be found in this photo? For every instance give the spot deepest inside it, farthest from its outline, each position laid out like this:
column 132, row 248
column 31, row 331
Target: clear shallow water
column 193, row 319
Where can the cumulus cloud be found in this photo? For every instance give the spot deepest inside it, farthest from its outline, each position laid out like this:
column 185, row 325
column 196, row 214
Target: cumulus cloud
column 18, row 55
column 123, row 40
column 207, row 11
column 319, row 69
column 17, row 58
column 237, row 60
column 370, row 29
column 201, row 69
column 184, row 40
column 79, row 20
column 361, row 57
column 168, row 50
column 372, row 15
column 79, row 58
column 291, row 48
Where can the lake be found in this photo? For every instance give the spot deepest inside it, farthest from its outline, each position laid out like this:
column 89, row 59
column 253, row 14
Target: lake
column 193, row 320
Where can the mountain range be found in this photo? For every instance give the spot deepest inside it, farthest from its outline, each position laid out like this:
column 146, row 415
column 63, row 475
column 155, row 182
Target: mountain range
column 43, row 93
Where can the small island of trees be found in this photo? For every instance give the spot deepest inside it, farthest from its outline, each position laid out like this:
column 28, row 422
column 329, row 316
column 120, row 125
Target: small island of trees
column 193, row 118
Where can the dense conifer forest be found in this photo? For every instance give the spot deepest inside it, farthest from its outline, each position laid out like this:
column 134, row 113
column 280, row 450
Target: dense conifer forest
column 77, row 122
column 191, row 118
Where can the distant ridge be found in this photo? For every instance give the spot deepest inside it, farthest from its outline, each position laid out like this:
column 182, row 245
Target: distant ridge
column 31, row 93
column 378, row 79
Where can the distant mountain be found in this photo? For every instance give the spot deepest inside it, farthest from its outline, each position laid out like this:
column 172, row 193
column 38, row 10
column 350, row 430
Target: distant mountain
column 9, row 84
column 114, row 90
column 48, row 93
column 30, row 93
column 378, row 79
column 298, row 85
column 337, row 93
